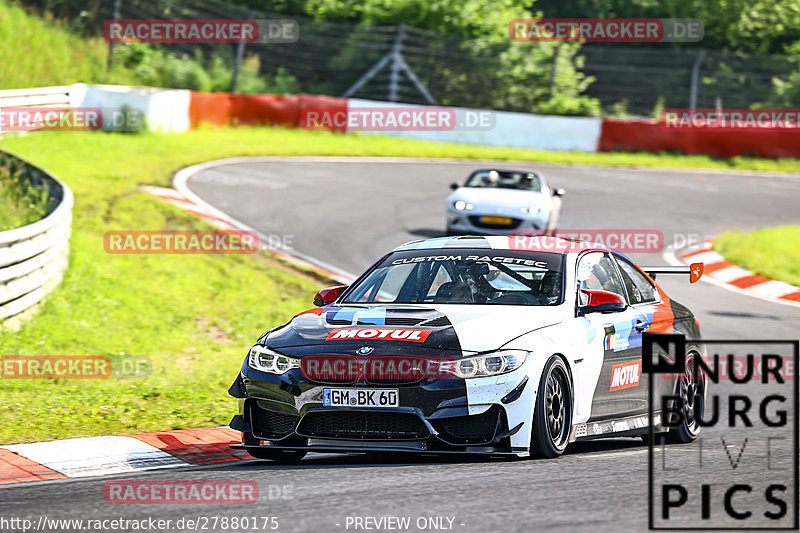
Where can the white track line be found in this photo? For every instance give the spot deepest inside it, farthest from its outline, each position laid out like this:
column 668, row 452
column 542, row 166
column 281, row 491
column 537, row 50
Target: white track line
column 670, row 257
column 180, row 183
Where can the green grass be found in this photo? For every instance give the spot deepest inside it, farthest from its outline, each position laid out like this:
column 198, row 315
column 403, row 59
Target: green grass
column 20, row 202
column 38, row 52
column 771, row 252
column 192, row 316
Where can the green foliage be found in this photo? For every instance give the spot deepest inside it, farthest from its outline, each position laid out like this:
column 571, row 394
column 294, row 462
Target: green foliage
column 467, row 18
column 785, row 92
column 21, row 202
column 156, row 68
column 41, row 52
column 760, row 26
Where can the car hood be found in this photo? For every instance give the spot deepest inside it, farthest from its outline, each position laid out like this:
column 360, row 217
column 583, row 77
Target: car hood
column 455, row 329
column 509, row 201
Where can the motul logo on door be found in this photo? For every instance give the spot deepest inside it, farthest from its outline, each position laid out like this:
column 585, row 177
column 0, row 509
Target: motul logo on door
column 392, row 334
column 625, row 375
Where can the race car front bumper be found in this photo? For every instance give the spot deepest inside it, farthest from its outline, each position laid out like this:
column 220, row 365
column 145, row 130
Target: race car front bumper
column 286, row 412
column 468, row 222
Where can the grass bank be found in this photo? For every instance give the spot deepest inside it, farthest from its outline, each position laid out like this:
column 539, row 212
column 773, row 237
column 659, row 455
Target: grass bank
column 771, row 252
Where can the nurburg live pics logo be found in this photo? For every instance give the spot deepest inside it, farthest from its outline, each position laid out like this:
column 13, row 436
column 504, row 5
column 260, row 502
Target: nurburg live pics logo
column 741, row 473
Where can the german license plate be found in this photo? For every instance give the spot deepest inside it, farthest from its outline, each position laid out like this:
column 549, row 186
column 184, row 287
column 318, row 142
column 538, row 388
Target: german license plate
column 500, row 221
column 360, row 397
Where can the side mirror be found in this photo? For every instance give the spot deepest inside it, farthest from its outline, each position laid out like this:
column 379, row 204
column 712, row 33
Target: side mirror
column 454, row 186
column 329, row 295
column 559, row 192
column 602, row 302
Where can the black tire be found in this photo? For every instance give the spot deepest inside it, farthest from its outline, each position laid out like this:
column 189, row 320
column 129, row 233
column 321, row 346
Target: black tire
column 552, row 417
column 691, row 391
column 282, row 457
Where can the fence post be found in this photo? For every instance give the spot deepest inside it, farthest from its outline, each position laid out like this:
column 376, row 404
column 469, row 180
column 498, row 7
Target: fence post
column 695, row 78
column 238, row 60
column 396, row 65
column 553, row 70
column 115, row 16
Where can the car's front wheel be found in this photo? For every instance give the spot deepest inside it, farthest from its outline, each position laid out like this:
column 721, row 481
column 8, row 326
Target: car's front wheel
column 552, row 419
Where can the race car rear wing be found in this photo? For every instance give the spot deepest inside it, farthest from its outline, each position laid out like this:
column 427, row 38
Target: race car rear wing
column 695, row 271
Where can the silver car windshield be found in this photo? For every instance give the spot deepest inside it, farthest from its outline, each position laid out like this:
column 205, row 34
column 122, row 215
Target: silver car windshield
column 500, row 179
column 463, row 276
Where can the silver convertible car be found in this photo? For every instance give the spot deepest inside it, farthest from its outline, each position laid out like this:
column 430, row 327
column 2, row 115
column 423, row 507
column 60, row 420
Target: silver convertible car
column 497, row 202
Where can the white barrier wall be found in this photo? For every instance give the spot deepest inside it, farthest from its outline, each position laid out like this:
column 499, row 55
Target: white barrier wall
column 33, row 258
column 513, row 130
column 165, row 110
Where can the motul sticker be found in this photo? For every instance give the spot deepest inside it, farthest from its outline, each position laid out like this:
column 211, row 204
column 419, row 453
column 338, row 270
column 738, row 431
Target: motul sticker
column 625, row 375
column 393, row 334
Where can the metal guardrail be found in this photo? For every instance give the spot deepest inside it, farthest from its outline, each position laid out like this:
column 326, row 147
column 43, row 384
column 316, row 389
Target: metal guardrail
column 33, row 258
column 36, row 96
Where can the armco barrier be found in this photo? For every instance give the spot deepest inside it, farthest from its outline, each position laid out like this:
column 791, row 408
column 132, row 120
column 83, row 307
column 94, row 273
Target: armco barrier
column 33, row 258
column 650, row 136
column 38, row 96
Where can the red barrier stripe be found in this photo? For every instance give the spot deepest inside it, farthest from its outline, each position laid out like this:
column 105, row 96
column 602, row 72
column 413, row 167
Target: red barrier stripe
column 650, row 136
column 698, row 252
column 748, row 281
column 794, row 296
column 197, row 446
column 15, row 469
column 713, row 267
column 281, row 110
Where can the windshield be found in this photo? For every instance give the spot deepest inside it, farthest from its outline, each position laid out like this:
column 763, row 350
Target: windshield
column 463, row 276
column 503, row 179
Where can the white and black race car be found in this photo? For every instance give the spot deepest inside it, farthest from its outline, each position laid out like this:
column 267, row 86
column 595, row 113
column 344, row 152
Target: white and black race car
column 497, row 345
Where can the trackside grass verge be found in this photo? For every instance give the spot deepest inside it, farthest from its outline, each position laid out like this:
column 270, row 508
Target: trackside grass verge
column 192, row 316
column 772, row 252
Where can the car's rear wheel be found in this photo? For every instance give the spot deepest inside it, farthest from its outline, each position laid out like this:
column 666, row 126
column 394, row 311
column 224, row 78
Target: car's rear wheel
column 552, row 419
column 691, row 390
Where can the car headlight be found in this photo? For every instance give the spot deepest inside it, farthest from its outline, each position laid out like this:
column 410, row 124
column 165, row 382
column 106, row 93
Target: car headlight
column 263, row 359
column 491, row 364
column 531, row 210
column 461, row 205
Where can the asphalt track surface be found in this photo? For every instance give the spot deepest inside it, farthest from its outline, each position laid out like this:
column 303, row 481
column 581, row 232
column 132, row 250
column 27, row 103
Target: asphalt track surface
column 348, row 214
